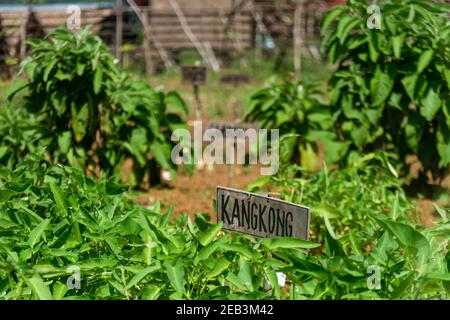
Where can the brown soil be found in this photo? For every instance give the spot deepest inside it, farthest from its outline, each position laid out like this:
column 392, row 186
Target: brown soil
column 195, row 194
column 427, row 213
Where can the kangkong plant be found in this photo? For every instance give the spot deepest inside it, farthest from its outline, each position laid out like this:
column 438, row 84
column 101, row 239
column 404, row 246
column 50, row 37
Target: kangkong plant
column 66, row 236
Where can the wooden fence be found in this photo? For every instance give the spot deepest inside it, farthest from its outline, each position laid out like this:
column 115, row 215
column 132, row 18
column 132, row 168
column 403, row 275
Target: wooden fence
column 215, row 27
column 209, row 26
column 17, row 26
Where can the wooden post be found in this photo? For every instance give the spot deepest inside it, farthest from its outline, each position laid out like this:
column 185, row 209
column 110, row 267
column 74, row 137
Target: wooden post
column 24, row 34
column 230, row 175
column 198, row 104
column 236, row 102
column 298, row 39
column 195, row 76
column 243, row 61
column 119, row 30
column 147, row 46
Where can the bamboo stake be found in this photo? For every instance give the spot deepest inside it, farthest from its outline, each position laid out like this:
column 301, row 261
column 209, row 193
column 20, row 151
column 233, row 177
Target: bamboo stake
column 119, row 30
column 148, row 34
column 198, row 103
column 24, row 35
column 257, row 15
column 298, row 39
column 147, row 47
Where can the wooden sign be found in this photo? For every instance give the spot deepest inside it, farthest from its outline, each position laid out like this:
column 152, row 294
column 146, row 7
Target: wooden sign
column 261, row 216
column 235, row 79
column 196, row 75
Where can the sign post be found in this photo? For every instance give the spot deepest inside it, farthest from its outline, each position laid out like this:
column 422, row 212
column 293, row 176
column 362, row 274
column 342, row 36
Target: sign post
column 198, row 104
column 196, row 76
column 261, row 216
column 222, row 127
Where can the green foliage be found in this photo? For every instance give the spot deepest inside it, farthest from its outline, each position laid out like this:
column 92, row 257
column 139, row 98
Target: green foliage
column 391, row 88
column 20, row 135
column 412, row 264
column 343, row 199
column 363, row 218
column 93, row 115
column 295, row 110
column 390, row 92
column 54, row 220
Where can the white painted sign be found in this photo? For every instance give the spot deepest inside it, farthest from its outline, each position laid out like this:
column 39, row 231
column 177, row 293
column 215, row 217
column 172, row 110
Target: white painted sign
column 261, row 216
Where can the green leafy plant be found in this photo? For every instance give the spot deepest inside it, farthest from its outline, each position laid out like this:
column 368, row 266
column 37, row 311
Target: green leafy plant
column 54, row 220
column 295, row 109
column 20, row 135
column 343, row 199
column 365, row 222
column 409, row 263
column 391, row 88
column 94, row 115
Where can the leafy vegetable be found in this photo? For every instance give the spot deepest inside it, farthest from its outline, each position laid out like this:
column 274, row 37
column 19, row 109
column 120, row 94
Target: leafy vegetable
column 92, row 116
column 294, row 109
column 390, row 91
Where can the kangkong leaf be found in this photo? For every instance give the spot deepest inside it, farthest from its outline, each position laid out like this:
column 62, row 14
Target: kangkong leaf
column 37, row 233
column 330, row 17
column 345, row 25
column 288, row 243
column 138, row 277
column 39, row 288
column 98, row 78
column 175, row 273
column 431, row 104
column 65, row 141
column 80, row 121
column 407, row 236
column 60, row 199
column 424, row 60
column 210, row 234
column 409, row 83
column 151, row 293
column 174, row 99
column 59, row 290
column 397, row 44
column 381, row 85
column 220, row 266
